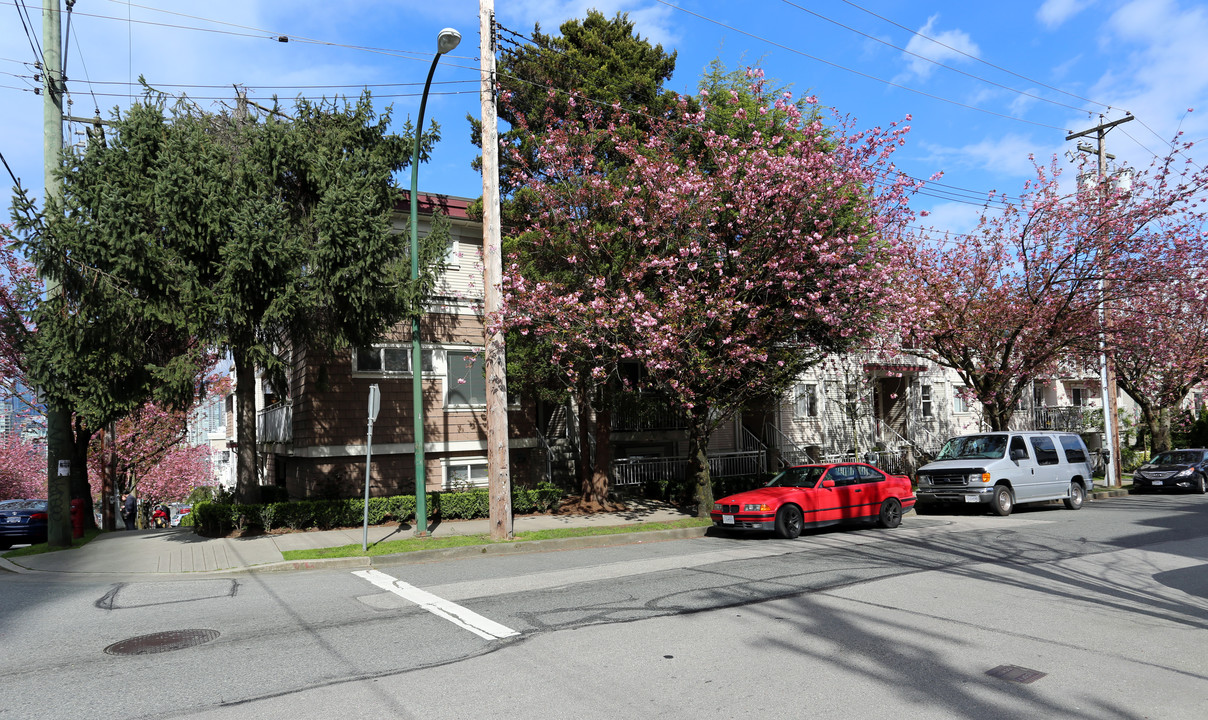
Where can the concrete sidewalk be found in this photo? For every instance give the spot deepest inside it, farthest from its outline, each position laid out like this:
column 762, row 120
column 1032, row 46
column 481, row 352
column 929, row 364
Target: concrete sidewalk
column 180, row 550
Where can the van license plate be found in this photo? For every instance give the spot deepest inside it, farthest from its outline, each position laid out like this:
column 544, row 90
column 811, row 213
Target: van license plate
column 970, row 498
column 727, row 519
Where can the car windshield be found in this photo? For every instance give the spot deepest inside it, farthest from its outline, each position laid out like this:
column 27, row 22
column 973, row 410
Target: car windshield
column 806, row 476
column 980, row 447
column 1177, row 457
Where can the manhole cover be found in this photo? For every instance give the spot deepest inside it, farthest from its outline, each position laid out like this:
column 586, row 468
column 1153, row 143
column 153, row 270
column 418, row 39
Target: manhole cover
column 162, row 642
column 1014, row 673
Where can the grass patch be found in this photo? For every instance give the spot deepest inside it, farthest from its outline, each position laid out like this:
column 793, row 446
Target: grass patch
column 393, row 547
column 40, row 548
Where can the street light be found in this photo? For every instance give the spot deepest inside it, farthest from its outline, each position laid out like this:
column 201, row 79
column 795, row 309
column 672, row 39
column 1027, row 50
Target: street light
column 445, row 41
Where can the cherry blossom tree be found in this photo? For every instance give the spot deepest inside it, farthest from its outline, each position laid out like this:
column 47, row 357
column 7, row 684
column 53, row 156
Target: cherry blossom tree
column 151, row 456
column 22, row 468
column 1020, row 294
column 724, row 257
column 1161, row 348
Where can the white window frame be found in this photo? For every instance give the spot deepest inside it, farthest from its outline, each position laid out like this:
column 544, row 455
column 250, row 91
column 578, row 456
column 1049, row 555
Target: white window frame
column 432, row 352
column 450, row 378
column 960, row 406
column 807, row 395
column 448, row 465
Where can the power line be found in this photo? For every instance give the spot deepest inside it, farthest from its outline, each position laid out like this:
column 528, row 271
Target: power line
column 33, row 43
column 933, row 62
column 860, row 73
column 974, row 57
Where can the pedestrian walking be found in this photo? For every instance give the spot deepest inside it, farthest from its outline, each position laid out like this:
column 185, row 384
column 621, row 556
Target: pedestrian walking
column 129, row 509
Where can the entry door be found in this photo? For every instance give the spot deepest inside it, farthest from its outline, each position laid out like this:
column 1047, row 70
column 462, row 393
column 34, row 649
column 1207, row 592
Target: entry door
column 891, row 405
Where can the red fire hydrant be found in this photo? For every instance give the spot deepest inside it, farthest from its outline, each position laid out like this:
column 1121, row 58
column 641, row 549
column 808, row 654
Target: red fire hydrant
column 77, row 518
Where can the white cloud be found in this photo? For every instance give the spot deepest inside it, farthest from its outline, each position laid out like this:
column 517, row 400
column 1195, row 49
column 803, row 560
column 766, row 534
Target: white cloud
column 1055, row 12
column 949, row 45
column 1004, row 156
column 1159, row 69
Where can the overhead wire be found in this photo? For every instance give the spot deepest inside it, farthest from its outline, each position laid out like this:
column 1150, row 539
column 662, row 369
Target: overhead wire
column 33, row 43
column 860, row 73
column 988, row 81
column 976, row 58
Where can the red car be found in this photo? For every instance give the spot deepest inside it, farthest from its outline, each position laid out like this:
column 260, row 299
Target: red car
column 817, row 495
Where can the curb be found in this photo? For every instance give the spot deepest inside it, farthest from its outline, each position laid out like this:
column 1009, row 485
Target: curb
column 1101, row 494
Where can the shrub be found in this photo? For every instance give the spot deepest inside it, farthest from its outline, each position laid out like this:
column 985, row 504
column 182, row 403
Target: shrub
column 214, row 519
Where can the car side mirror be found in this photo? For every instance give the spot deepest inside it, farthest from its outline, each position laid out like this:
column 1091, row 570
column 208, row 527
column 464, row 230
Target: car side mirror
column 1019, row 454
column 828, row 483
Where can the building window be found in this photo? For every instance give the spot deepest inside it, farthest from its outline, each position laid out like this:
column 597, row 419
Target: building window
column 390, row 360
column 452, row 253
column 466, row 379
column 925, row 399
column 465, row 473
column 960, row 405
column 1078, row 397
column 807, row 400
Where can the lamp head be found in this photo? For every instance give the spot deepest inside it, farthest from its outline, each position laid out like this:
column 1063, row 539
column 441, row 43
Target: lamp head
column 447, row 40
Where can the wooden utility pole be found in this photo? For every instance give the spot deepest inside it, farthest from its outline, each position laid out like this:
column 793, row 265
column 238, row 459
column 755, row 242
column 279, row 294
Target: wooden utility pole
column 1107, row 371
column 498, row 458
column 58, row 420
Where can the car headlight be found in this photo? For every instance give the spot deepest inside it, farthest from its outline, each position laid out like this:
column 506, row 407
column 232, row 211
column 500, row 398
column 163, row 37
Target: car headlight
column 1186, row 472
column 982, row 477
column 756, row 508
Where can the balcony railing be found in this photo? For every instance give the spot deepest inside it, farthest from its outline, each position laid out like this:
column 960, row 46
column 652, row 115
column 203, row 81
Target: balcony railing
column 635, row 471
column 1068, row 419
column 642, row 411
column 275, row 424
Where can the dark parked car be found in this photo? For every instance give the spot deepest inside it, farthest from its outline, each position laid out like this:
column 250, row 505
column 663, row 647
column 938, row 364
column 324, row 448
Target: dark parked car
column 22, row 522
column 1174, row 470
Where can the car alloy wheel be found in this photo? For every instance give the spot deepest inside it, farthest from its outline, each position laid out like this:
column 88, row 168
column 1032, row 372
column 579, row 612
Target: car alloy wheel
column 891, row 514
column 788, row 522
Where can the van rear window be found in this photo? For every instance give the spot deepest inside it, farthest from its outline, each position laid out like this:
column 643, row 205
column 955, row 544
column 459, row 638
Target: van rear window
column 1075, row 452
column 1045, row 450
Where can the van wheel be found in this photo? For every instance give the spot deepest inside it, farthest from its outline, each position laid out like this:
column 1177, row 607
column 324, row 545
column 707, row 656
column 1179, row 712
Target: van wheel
column 1077, row 496
column 1003, row 502
column 891, row 514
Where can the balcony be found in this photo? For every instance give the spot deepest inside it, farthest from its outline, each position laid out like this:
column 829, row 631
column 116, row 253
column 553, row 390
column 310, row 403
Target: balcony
column 275, row 424
column 1069, row 418
column 635, row 412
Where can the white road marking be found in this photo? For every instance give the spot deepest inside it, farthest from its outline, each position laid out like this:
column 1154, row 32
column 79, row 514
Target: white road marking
column 454, row 613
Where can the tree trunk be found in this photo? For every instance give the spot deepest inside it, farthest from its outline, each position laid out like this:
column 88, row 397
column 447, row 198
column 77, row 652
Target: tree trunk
column 1161, row 431
column 596, row 490
column 583, row 467
column 698, row 461
column 80, row 489
column 245, row 436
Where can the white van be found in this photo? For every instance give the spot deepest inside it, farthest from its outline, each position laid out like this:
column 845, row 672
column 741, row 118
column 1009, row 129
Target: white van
column 1003, row 468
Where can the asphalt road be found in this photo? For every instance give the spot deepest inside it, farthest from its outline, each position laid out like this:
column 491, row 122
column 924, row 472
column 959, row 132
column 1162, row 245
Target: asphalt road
column 1100, row 613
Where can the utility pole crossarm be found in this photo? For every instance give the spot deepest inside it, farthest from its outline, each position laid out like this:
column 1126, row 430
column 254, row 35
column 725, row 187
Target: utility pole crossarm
column 1100, row 128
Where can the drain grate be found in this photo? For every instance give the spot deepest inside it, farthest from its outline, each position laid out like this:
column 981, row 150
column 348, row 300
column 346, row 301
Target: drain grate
column 162, row 642
column 1014, row 673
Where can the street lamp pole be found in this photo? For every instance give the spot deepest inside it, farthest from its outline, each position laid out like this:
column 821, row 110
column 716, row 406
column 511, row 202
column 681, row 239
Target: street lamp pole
column 445, row 41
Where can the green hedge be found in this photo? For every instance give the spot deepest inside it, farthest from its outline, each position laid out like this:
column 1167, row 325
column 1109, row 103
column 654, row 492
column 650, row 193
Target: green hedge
column 214, row 519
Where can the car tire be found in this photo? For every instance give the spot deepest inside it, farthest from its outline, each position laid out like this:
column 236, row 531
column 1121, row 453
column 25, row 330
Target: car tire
column 891, row 514
column 1003, row 501
column 1077, row 496
column 788, row 522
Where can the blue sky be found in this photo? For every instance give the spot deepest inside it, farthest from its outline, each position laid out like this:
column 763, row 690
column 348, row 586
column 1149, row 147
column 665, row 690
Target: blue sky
column 1019, row 74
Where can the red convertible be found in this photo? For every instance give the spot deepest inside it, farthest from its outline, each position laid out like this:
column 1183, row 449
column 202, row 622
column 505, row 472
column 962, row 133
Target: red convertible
column 817, row 495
